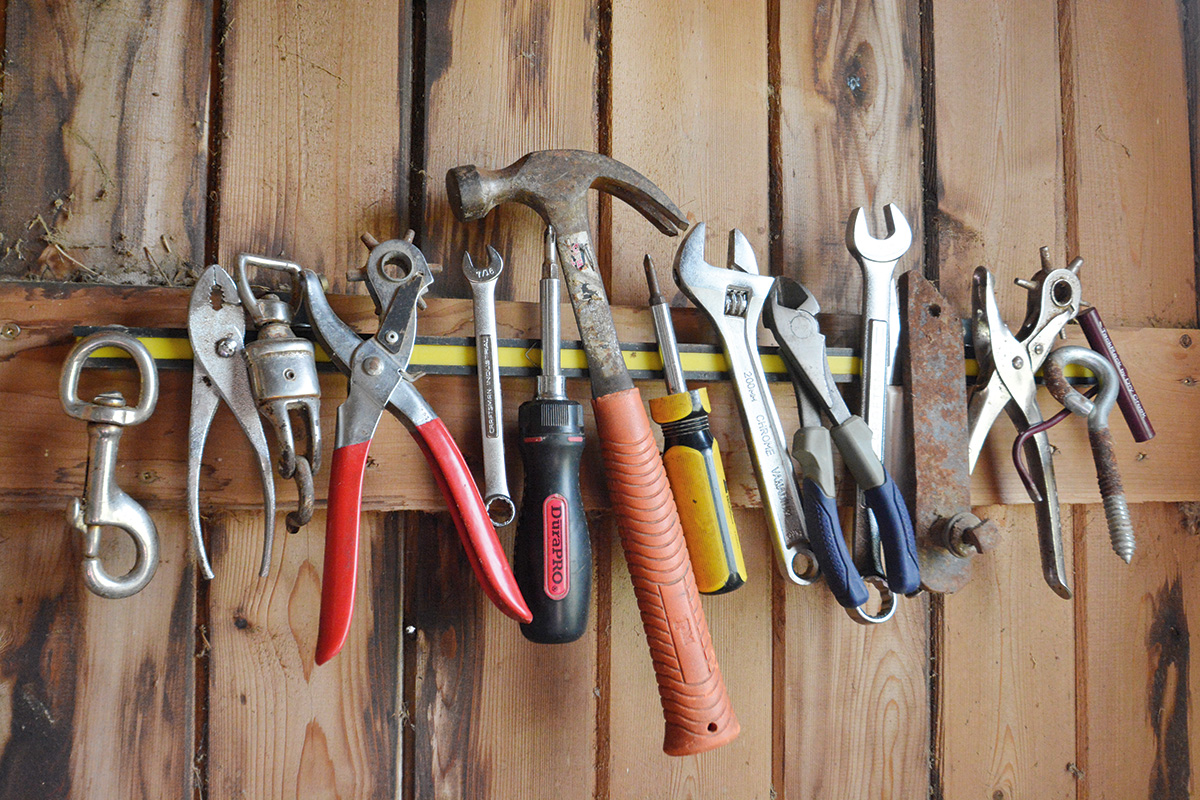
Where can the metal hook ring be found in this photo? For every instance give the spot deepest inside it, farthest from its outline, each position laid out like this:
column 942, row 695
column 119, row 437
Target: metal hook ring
column 297, row 519
column 1071, row 398
column 68, row 385
column 131, row 518
column 252, row 304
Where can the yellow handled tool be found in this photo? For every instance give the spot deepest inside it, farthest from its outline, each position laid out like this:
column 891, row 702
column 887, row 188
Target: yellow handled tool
column 693, row 463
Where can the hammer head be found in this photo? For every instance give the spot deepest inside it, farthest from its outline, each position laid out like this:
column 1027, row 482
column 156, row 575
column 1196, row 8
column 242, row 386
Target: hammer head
column 554, row 183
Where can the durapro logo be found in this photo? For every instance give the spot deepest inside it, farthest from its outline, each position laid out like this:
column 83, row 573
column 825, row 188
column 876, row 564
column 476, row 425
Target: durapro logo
column 554, row 540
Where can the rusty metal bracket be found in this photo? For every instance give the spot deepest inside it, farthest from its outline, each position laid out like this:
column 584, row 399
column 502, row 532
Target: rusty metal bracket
column 948, row 534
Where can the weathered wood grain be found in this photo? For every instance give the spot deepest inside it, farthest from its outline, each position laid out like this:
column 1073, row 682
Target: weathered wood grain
column 845, row 129
column 1129, row 194
column 689, row 111
column 855, row 719
column 848, row 122
column 1003, row 646
column 79, row 673
column 502, row 80
column 1003, row 660
column 999, row 174
column 103, row 140
column 279, row 726
column 492, row 715
column 313, row 148
column 1138, row 737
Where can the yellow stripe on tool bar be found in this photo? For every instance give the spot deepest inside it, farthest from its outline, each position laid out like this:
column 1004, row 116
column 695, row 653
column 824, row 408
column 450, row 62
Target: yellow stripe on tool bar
column 523, row 357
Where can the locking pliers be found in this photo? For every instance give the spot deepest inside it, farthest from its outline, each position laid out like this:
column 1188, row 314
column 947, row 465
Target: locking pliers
column 790, row 313
column 378, row 379
column 1007, row 365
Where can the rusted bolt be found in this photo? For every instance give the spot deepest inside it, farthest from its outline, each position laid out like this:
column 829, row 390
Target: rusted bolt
column 965, row 534
column 1185, row 341
column 372, row 365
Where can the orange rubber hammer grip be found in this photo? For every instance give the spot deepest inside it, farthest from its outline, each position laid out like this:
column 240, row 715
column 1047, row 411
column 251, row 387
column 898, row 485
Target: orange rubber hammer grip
column 695, row 703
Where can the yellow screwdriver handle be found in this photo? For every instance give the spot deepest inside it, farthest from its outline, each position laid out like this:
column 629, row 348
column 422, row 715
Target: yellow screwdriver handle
column 693, row 463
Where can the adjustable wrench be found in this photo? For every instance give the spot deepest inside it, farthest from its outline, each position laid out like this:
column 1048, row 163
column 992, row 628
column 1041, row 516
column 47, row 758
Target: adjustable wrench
column 733, row 300
column 881, row 336
column 496, row 497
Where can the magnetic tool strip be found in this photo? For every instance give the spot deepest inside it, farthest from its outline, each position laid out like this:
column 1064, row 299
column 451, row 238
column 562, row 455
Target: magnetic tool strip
column 521, row 358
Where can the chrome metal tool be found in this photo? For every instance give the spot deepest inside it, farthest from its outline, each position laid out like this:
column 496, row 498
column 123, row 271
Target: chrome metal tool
column 104, row 503
column 496, row 497
column 217, row 330
column 733, row 300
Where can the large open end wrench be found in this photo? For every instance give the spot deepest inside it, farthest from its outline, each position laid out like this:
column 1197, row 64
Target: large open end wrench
column 881, row 337
column 496, row 497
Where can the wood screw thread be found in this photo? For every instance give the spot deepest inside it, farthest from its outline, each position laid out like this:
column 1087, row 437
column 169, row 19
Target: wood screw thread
column 1116, row 511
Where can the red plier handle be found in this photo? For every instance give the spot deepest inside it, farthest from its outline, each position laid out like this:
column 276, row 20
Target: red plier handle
column 466, row 508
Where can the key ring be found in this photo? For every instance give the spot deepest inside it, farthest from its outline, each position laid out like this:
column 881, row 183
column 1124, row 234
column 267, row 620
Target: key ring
column 104, row 504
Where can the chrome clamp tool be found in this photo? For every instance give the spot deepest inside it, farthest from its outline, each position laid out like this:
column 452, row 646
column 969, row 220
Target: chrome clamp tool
column 104, row 503
column 733, row 300
column 217, row 332
column 283, row 379
column 1007, row 365
column 791, row 315
column 378, row 380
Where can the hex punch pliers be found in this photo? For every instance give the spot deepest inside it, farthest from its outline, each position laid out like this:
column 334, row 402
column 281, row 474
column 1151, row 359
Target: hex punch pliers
column 378, row 378
column 790, row 313
column 1008, row 363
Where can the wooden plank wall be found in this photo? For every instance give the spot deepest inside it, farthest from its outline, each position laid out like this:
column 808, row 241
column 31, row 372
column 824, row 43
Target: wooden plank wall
column 138, row 142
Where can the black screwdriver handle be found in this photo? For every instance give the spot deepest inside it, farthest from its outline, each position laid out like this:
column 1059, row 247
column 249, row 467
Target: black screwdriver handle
column 552, row 554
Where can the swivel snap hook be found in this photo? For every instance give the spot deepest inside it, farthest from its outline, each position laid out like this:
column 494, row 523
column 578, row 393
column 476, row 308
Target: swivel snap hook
column 283, row 379
column 104, row 504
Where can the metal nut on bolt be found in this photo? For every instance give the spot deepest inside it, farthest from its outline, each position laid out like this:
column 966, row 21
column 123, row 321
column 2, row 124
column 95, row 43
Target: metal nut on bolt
column 965, row 534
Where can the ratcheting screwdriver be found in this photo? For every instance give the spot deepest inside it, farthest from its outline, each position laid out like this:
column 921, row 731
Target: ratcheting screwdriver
column 693, row 462
column 552, row 553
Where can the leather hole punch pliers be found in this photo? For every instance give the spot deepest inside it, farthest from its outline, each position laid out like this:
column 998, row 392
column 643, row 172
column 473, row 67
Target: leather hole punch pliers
column 790, row 313
column 378, row 380
column 1008, row 363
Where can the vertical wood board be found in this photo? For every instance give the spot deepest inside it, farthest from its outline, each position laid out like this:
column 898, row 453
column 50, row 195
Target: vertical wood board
column 314, row 140
column 502, row 80
column 103, row 150
column 278, row 725
column 849, row 135
column 79, row 672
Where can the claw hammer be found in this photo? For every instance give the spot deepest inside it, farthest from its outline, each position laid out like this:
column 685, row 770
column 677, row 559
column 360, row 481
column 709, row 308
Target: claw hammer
column 555, row 183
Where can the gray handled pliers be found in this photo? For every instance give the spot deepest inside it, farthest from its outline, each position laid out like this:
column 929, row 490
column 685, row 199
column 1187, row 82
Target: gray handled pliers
column 791, row 314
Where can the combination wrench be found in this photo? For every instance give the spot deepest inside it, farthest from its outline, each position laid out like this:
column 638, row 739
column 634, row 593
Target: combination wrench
column 496, row 497
column 881, row 337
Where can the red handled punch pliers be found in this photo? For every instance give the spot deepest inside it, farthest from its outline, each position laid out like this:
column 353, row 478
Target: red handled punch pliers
column 377, row 369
